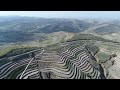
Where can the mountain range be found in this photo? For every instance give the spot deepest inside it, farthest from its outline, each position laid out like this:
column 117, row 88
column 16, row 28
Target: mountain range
column 22, row 29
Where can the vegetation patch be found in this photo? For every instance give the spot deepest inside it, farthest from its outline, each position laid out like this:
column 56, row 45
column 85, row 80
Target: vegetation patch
column 7, row 49
column 102, row 56
column 12, row 51
column 62, row 40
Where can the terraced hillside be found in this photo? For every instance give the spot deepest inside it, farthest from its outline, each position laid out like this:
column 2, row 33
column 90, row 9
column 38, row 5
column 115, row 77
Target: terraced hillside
column 82, row 57
column 72, row 62
column 10, row 67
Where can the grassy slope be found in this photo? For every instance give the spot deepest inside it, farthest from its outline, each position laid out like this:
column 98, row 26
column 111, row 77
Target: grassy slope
column 7, row 49
column 15, row 50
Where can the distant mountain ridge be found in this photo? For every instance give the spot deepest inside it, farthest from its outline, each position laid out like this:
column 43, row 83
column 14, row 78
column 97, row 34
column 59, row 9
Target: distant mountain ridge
column 16, row 28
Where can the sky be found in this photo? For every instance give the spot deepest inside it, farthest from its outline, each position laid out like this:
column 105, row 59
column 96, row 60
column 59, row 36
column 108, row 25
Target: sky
column 64, row 14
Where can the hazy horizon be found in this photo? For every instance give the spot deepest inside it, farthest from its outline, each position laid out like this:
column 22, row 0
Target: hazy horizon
column 64, row 14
